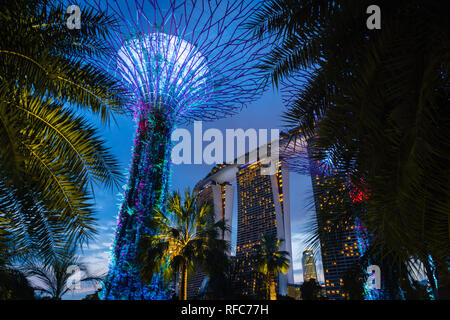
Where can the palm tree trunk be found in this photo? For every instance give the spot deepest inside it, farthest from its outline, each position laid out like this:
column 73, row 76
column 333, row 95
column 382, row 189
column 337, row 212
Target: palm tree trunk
column 272, row 284
column 183, row 283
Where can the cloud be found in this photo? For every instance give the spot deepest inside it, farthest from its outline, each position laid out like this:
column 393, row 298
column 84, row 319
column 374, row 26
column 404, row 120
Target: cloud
column 93, row 247
column 298, row 276
column 97, row 261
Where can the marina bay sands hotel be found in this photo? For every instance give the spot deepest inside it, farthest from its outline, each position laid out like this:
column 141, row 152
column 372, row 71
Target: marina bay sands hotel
column 262, row 207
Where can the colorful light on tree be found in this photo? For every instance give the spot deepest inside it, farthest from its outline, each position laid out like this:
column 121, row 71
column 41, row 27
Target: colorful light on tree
column 181, row 61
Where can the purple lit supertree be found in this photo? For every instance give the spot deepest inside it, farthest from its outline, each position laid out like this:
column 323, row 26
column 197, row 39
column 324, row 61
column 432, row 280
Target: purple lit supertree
column 181, row 61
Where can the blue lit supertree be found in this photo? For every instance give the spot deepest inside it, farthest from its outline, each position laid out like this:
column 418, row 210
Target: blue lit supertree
column 181, row 61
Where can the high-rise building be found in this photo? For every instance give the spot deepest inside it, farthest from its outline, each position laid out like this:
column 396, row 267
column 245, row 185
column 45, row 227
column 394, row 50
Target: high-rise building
column 338, row 237
column 263, row 207
column 309, row 265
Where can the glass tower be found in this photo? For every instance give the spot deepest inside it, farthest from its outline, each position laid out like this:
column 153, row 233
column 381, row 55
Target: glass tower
column 338, row 237
column 309, row 265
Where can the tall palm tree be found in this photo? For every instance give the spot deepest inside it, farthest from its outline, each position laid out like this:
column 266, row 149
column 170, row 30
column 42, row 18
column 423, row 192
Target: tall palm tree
column 55, row 279
column 375, row 104
column 50, row 155
column 186, row 236
column 270, row 261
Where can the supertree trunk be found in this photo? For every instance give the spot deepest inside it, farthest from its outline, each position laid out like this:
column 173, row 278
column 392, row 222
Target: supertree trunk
column 146, row 189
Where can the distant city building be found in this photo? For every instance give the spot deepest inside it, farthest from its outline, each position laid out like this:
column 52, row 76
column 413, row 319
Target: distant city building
column 293, row 291
column 309, row 265
column 338, row 238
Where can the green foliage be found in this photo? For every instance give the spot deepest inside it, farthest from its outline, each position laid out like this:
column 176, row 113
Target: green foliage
column 268, row 256
column 354, row 283
column 50, row 156
column 375, row 104
column 185, row 236
column 93, row 296
column 415, row 291
column 270, row 260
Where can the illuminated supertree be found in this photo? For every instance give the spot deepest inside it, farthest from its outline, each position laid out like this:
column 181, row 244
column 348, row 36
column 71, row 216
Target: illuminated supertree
column 181, row 61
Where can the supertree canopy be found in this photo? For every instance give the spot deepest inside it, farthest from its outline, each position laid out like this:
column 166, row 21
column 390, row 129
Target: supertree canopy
column 181, row 61
column 176, row 76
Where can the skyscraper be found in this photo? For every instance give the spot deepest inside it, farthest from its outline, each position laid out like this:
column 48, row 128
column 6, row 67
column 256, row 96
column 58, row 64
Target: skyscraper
column 309, row 265
column 338, row 237
column 263, row 207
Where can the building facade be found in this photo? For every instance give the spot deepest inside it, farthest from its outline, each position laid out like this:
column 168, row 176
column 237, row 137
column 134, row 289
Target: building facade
column 338, row 237
column 309, row 265
column 262, row 207
column 294, row 291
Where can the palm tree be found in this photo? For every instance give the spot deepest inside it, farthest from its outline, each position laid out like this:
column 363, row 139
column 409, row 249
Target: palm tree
column 374, row 103
column 54, row 280
column 218, row 267
column 14, row 285
column 310, row 290
column 50, row 155
column 186, row 236
column 270, row 261
column 223, row 272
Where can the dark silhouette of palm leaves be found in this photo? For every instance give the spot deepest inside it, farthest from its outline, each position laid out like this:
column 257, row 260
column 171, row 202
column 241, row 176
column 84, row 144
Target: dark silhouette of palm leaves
column 55, row 279
column 376, row 103
column 14, row 285
column 50, row 156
